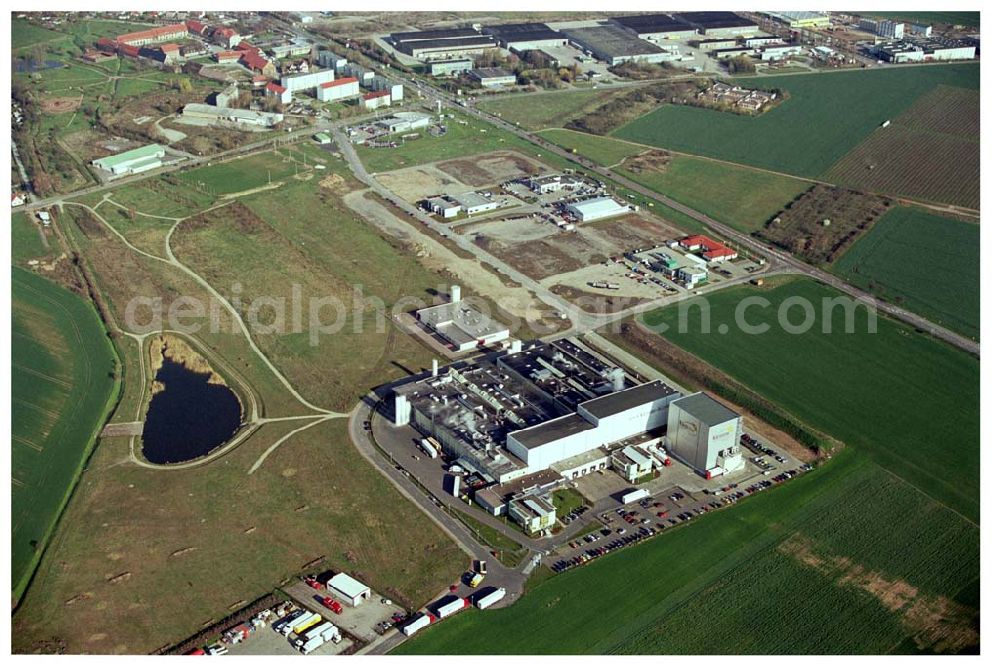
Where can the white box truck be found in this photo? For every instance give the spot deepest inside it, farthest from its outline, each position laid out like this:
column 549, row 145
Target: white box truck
column 634, row 495
column 416, row 624
column 490, row 598
column 428, row 449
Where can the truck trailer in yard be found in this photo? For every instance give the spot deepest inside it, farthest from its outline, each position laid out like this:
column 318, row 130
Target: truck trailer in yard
column 418, row 623
column 490, row 598
column 318, row 635
column 289, row 619
column 428, row 449
column 451, row 607
column 303, row 624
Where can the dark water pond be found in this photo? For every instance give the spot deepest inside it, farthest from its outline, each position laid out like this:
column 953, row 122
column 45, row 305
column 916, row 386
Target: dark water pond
column 28, row 65
column 189, row 417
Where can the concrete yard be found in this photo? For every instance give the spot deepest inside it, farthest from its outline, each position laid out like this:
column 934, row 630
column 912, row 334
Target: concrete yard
column 358, row 620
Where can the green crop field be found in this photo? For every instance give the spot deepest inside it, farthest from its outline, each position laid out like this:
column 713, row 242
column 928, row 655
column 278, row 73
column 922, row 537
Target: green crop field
column 809, row 567
column 742, row 198
column 899, row 395
column 546, row 109
column 934, row 18
column 826, row 116
column 604, row 150
column 891, row 261
column 63, row 379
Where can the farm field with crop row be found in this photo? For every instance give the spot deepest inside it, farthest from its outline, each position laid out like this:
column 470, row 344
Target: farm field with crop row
column 825, row 117
column 737, row 564
column 64, row 377
column 604, row 150
column 951, row 18
column 873, row 391
column 890, row 260
column 26, row 239
column 930, row 152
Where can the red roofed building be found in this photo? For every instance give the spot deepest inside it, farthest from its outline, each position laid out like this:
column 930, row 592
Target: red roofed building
column 226, row 37
column 107, row 45
column 228, row 56
column 129, row 50
column 255, row 62
column 712, row 250
column 374, row 100
column 195, row 27
column 338, row 89
column 154, row 35
column 259, row 81
column 275, row 90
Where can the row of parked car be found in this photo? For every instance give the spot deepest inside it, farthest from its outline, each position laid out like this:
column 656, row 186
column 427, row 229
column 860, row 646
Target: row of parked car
column 574, row 514
column 592, row 553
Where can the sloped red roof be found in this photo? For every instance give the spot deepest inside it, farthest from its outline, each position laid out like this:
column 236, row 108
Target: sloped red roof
column 153, row 33
column 276, row 88
column 377, row 93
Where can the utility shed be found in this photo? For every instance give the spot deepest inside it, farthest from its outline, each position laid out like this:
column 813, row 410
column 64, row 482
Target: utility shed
column 348, row 589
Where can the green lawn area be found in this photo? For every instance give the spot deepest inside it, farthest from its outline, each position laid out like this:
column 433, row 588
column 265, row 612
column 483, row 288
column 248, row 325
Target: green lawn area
column 826, row 116
column 63, row 381
column 742, row 198
column 899, row 395
column 25, row 33
column 536, row 111
column 891, row 261
column 246, row 173
column 753, row 570
column 26, row 240
column 472, row 138
column 934, row 18
column 604, row 150
column 566, row 500
column 509, row 552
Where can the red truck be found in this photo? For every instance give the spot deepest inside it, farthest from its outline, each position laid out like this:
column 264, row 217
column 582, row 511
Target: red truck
column 333, row 605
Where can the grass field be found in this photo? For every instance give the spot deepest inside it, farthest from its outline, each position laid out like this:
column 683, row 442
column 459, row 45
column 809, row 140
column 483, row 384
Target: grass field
column 889, row 260
column 548, row 109
column 247, row 173
column 24, row 34
column 216, row 536
column 752, row 568
column 826, row 116
column 873, row 391
column 934, row 18
column 604, row 150
column 63, row 379
column 742, row 198
column 26, row 239
column 942, row 129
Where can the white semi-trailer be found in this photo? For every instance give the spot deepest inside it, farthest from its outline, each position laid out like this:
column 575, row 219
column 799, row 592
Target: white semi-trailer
column 302, row 624
column 417, row 624
column 451, row 607
column 317, row 636
column 291, row 618
column 427, row 448
column 491, row 598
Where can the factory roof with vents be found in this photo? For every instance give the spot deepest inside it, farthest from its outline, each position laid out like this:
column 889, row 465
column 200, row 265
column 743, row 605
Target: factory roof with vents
column 651, row 23
column 621, row 401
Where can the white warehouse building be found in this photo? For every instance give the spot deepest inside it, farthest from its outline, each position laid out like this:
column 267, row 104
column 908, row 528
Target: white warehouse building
column 598, row 422
column 597, row 208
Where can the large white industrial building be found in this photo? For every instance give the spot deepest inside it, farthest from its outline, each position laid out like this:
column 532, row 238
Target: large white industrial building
column 137, row 160
column 597, row 208
column 297, row 82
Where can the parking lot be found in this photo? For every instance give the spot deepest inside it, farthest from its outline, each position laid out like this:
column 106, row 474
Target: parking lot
column 676, row 496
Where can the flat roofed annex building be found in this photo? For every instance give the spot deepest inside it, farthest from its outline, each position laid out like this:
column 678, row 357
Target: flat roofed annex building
column 231, row 116
column 656, row 26
column 705, row 434
column 525, row 36
column 463, row 326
